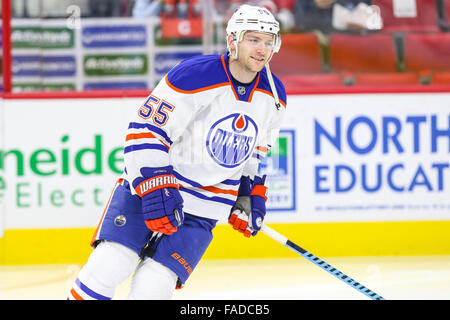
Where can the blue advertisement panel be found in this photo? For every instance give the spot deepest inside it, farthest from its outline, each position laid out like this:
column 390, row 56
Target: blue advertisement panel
column 58, row 66
column 26, row 66
column 115, row 85
column 45, row 66
column 114, row 36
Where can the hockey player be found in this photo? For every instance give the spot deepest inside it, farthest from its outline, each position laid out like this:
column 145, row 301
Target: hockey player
column 191, row 159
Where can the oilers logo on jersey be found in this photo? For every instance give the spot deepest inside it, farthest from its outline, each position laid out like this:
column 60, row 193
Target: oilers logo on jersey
column 231, row 140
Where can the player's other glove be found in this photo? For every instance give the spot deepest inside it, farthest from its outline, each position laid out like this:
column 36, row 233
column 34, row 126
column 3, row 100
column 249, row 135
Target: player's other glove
column 162, row 204
column 247, row 214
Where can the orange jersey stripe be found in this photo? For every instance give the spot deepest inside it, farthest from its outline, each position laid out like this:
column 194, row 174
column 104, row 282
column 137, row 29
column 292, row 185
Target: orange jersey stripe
column 270, row 94
column 263, row 149
column 218, row 190
column 228, row 76
column 134, row 136
column 254, row 88
column 196, row 90
column 215, row 190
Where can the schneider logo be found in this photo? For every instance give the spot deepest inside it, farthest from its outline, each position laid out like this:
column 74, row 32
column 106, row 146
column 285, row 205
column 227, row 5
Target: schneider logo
column 39, row 178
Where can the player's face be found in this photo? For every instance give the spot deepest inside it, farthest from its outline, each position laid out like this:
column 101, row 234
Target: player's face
column 255, row 50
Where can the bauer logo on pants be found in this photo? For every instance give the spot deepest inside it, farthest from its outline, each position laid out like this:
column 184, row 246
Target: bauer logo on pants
column 231, row 140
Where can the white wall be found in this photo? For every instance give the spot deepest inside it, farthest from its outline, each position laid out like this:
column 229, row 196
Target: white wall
column 394, row 133
column 46, row 187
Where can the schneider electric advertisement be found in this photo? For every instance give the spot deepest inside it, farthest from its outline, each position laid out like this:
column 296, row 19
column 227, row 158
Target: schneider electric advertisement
column 347, row 157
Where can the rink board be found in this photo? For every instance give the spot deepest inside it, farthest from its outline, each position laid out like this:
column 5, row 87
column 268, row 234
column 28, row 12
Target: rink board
column 351, row 175
column 43, row 246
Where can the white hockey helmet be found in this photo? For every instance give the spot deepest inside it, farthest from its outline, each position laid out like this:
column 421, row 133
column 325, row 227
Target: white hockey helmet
column 253, row 18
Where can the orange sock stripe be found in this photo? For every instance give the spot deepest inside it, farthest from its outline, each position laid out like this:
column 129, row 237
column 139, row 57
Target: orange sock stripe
column 75, row 294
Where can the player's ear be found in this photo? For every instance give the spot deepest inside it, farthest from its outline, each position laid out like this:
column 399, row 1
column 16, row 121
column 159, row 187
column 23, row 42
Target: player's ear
column 231, row 42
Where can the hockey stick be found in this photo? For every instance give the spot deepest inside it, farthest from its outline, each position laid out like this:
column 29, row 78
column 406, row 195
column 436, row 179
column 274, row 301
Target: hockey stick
column 319, row 262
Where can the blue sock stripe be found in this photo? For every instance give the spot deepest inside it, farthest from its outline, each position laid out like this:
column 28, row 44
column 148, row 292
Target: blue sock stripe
column 91, row 293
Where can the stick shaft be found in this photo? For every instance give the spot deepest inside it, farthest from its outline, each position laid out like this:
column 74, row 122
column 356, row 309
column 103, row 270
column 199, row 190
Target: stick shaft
column 321, row 263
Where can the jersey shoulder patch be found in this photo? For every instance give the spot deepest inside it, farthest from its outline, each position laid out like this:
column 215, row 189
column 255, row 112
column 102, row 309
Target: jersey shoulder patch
column 197, row 74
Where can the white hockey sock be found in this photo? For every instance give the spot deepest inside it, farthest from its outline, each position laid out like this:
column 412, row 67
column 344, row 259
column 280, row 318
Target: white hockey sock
column 109, row 265
column 152, row 281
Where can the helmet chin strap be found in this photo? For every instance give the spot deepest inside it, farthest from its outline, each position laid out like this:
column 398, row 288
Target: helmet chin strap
column 272, row 87
column 272, row 83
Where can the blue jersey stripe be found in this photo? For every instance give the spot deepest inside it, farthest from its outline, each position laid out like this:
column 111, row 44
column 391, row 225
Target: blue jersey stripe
column 90, row 292
column 193, row 183
column 162, row 133
column 232, row 182
column 258, row 156
column 203, row 197
column 148, row 146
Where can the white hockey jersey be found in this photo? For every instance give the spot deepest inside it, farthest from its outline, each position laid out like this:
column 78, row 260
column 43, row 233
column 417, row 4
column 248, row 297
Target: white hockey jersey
column 209, row 128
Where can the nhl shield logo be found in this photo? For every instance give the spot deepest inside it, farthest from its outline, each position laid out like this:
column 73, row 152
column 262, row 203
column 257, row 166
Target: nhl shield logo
column 231, row 140
column 120, row 221
column 241, row 90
